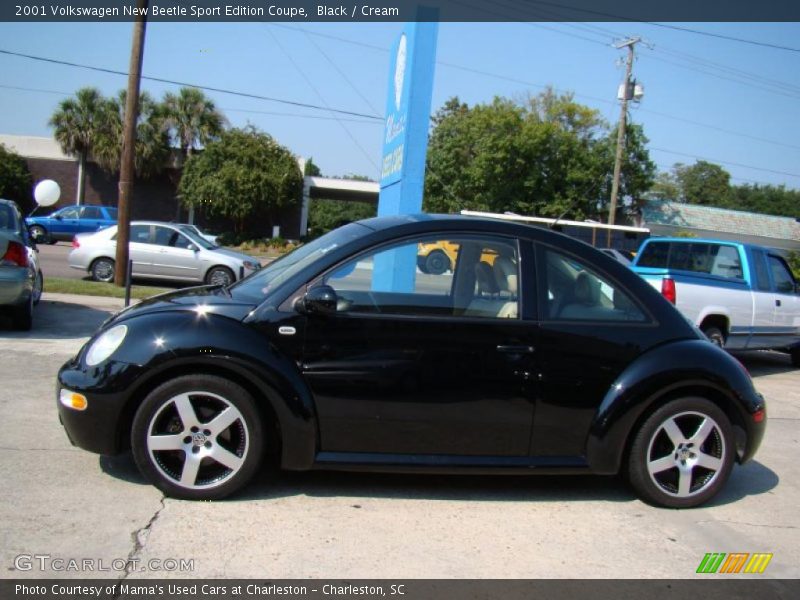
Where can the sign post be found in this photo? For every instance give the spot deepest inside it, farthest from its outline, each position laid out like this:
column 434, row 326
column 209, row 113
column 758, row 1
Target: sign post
column 405, row 141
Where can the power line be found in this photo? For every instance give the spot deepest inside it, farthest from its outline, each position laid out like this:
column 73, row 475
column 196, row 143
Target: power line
column 194, row 85
column 308, row 81
column 724, row 162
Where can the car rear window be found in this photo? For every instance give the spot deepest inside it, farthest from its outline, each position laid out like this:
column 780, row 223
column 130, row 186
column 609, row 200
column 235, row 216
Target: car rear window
column 721, row 260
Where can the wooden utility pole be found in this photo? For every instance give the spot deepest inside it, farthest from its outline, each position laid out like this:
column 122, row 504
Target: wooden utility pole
column 127, row 167
column 623, row 117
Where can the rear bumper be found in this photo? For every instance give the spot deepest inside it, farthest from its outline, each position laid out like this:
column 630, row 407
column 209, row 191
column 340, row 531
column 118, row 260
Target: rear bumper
column 16, row 286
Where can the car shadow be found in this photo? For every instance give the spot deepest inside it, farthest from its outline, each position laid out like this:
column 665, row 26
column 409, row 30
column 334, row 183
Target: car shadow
column 270, row 483
column 58, row 320
column 765, row 362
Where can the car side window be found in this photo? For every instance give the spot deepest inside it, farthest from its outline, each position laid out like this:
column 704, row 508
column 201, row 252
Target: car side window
column 761, row 272
column 69, row 213
column 164, row 236
column 466, row 277
column 781, row 275
column 575, row 292
column 181, row 241
column 140, row 234
column 91, row 212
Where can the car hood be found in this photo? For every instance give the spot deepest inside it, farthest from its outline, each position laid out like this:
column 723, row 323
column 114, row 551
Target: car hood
column 206, row 300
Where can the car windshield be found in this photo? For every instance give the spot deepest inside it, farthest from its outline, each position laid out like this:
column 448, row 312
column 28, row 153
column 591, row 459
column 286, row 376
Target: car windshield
column 8, row 218
column 257, row 286
column 191, row 233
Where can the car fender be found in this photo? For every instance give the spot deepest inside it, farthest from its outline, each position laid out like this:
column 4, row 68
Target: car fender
column 168, row 344
column 694, row 366
column 714, row 311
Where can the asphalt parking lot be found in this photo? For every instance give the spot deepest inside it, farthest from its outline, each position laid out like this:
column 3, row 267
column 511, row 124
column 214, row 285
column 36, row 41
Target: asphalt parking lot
column 64, row 503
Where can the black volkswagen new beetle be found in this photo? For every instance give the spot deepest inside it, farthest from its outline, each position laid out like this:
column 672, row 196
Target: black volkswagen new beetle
column 532, row 353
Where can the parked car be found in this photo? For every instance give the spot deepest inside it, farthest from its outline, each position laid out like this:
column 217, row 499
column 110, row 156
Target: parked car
column 21, row 279
column 212, row 239
column 343, row 355
column 161, row 251
column 743, row 297
column 66, row 222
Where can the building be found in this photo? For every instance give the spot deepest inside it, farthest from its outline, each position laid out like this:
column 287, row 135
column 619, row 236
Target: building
column 668, row 218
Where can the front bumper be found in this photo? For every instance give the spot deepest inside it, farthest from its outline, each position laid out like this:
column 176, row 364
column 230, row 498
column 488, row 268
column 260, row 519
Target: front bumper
column 102, row 427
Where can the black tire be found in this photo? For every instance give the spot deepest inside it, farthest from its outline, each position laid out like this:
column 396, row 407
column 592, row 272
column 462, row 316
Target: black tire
column 22, row 316
column 715, row 335
column 38, row 288
column 220, row 276
column 39, row 234
column 437, row 263
column 202, row 398
column 794, row 353
column 102, row 269
column 686, row 471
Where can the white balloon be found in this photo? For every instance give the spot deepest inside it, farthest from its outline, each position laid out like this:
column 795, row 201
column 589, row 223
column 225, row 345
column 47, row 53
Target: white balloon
column 47, row 192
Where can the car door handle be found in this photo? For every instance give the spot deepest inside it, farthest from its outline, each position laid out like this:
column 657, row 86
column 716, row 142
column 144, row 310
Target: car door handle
column 777, row 302
column 509, row 349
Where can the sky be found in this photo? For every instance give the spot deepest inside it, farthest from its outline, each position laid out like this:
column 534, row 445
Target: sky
column 732, row 103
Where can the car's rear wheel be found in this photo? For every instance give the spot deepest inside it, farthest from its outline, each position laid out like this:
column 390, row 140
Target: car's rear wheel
column 103, row 270
column 683, row 454
column 437, row 263
column 22, row 317
column 220, row 276
column 795, row 354
column 39, row 234
column 38, row 287
column 198, row 437
column 715, row 335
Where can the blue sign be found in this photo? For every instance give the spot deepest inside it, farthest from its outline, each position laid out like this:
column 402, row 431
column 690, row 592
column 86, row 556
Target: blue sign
column 405, row 141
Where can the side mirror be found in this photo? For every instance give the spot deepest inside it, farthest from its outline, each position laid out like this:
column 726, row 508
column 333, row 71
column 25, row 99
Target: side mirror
column 194, row 248
column 319, row 300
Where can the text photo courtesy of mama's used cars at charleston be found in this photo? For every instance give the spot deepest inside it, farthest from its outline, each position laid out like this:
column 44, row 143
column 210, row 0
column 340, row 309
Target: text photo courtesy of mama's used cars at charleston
column 532, row 353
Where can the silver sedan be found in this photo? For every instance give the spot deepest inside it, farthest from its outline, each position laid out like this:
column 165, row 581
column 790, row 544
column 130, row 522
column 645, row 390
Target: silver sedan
column 161, row 251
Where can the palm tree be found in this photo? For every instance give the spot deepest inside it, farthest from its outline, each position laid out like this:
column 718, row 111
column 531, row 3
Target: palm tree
column 193, row 120
column 79, row 124
column 152, row 137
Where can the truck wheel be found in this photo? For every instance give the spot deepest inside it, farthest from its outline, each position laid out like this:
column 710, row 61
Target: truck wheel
column 715, row 335
column 437, row 263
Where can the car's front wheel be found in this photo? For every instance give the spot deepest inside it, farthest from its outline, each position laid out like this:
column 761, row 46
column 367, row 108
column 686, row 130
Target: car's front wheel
column 682, row 454
column 220, row 276
column 715, row 335
column 198, row 437
column 103, row 270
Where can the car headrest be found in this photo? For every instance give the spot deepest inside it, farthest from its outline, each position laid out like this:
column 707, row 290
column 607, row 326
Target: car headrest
column 484, row 275
column 587, row 289
column 505, row 274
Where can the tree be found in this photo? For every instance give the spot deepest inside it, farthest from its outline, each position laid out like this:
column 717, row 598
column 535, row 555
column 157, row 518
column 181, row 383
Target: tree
column 192, row 118
column 79, row 124
column 546, row 155
column 766, row 199
column 243, row 175
column 704, row 183
column 15, row 178
column 665, row 187
column 152, row 138
column 311, row 169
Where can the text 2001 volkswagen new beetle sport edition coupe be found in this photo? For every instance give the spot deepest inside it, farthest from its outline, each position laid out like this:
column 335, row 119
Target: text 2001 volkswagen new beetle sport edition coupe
column 534, row 353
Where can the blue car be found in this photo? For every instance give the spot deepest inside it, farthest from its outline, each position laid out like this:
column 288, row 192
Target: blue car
column 69, row 221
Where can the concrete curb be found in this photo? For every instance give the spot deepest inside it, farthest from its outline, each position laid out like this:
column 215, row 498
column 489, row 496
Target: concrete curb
column 102, row 302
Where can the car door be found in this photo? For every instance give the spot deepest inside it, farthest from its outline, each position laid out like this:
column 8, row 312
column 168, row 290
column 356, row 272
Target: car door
column 591, row 329
column 415, row 363
column 140, row 249
column 786, row 310
column 91, row 219
column 63, row 225
column 174, row 255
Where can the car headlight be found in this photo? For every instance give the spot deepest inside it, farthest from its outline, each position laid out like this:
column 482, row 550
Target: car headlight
column 105, row 345
column 252, row 266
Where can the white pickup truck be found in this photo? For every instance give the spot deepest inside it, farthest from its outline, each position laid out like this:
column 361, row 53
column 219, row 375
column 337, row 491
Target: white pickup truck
column 743, row 297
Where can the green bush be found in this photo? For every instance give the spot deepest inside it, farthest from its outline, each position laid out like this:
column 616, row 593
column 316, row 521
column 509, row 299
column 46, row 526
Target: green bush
column 325, row 215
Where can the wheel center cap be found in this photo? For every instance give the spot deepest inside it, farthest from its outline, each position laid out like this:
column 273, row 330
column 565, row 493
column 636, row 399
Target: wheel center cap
column 198, row 439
